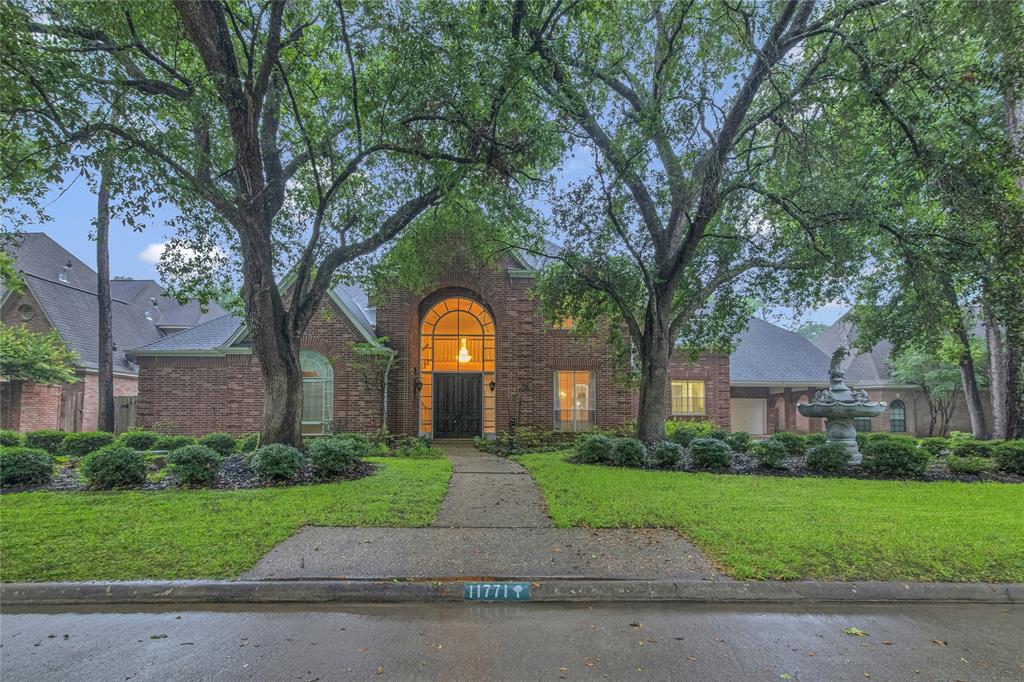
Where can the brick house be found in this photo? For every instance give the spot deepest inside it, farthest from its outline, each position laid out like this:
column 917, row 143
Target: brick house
column 473, row 358
column 60, row 293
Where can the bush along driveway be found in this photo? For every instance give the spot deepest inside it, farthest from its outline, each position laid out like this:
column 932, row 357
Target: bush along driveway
column 789, row 528
column 127, row 535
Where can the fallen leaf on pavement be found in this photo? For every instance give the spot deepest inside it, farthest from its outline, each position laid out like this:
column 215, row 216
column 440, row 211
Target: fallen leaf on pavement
column 857, row 632
column 940, row 642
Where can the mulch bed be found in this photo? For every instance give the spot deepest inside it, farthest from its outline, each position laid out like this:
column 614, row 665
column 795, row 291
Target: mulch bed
column 745, row 465
column 234, row 474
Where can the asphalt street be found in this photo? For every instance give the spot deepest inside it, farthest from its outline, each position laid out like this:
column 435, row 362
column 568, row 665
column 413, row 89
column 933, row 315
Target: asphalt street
column 517, row 642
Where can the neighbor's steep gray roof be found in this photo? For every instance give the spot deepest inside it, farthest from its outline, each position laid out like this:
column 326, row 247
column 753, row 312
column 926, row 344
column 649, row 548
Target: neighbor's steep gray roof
column 768, row 354
column 72, row 312
column 167, row 312
column 869, row 368
column 71, row 306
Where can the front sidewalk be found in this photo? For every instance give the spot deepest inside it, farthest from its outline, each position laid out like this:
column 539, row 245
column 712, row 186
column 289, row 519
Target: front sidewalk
column 492, row 524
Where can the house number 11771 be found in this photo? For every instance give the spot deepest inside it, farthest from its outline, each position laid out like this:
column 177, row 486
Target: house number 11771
column 496, row 591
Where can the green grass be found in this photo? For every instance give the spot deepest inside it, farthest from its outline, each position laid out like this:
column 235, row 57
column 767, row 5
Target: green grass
column 760, row 527
column 199, row 533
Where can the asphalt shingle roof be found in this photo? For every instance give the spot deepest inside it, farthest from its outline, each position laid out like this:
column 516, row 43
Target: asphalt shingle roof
column 71, row 306
column 768, row 354
column 870, row 368
column 206, row 336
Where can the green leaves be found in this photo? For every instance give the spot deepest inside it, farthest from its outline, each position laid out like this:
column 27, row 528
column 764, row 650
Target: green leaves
column 30, row 356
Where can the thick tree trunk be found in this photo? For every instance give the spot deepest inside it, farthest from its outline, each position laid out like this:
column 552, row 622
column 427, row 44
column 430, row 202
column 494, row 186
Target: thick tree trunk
column 998, row 374
column 282, row 400
column 105, row 360
column 654, row 358
column 972, row 396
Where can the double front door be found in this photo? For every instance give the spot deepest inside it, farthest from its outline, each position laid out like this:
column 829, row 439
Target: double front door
column 458, row 405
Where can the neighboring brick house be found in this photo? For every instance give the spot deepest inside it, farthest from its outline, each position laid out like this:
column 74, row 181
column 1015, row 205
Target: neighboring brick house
column 907, row 409
column 60, row 293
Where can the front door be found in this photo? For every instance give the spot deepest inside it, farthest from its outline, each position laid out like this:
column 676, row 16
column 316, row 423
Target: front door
column 457, row 405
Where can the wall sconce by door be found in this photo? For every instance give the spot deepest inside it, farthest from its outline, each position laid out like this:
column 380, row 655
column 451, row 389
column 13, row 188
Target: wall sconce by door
column 491, row 385
column 417, row 384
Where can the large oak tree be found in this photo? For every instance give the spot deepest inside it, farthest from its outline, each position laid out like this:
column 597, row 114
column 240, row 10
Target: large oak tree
column 702, row 195
column 300, row 136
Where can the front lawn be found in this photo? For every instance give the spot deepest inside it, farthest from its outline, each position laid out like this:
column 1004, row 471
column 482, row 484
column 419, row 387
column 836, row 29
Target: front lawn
column 199, row 533
column 786, row 528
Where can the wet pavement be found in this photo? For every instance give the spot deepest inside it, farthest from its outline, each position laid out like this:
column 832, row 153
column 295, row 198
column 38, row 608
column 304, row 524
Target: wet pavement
column 495, row 553
column 492, row 524
column 487, row 491
column 520, row 642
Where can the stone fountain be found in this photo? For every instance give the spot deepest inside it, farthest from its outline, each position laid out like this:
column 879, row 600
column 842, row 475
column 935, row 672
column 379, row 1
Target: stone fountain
column 840, row 405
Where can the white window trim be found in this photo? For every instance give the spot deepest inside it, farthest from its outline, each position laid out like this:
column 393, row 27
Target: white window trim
column 672, row 398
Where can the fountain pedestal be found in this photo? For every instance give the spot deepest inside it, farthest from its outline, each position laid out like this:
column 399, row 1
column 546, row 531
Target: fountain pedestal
column 839, row 405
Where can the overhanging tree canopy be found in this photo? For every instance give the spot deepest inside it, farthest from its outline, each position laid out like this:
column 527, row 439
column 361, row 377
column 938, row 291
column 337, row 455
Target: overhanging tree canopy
column 302, row 134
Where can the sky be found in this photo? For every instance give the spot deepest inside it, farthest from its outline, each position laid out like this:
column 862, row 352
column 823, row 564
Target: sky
column 134, row 254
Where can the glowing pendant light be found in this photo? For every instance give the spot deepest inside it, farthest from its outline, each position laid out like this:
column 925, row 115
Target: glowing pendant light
column 464, row 355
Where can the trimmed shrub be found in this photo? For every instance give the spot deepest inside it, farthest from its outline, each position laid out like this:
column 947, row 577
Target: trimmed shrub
column 81, row 444
column 248, row 442
column 1010, row 456
column 771, row 454
column 413, row 447
column 794, row 443
column 628, row 452
column 23, row 466
column 934, row 446
column 173, row 442
column 665, row 455
column 114, row 466
column 594, row 448
column 194, row 464
column 47, row 439
column 812, row 439
column 138, row 440
column 710, row 453
column 221, row 443
column 276, row 462
column 969, row 465
column 973, row 448
column 739, row 441
column 683, row 432
column 11, row 438
column 894, row 456
column 827, row 457
column 334, row 456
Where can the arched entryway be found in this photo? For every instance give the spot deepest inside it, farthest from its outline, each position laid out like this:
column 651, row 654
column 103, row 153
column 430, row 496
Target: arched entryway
column 457, row 369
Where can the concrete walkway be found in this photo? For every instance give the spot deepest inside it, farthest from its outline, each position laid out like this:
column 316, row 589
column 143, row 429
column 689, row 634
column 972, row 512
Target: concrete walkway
column 493, row 525
column 489, row 492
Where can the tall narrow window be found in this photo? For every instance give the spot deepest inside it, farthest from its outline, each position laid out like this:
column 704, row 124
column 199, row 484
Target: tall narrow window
column 687, row 397
column 862, row 424
column 317, row 393
column 574, row 401
column 897, row 416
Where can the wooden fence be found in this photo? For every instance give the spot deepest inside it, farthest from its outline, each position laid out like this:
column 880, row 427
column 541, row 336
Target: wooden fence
column 124, row 412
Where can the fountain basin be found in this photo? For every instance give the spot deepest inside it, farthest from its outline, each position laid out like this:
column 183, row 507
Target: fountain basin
column 841, row 410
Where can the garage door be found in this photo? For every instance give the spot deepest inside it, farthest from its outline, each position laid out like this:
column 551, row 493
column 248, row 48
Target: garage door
column 749, row 414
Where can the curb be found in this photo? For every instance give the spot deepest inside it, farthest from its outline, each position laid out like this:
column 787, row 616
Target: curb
column 544, row 590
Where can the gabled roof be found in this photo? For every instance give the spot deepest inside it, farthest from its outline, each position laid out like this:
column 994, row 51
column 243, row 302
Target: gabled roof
column 768, row 354
column 72, row 312
column 868, row 368
column 71, row 306
column 219, row 335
